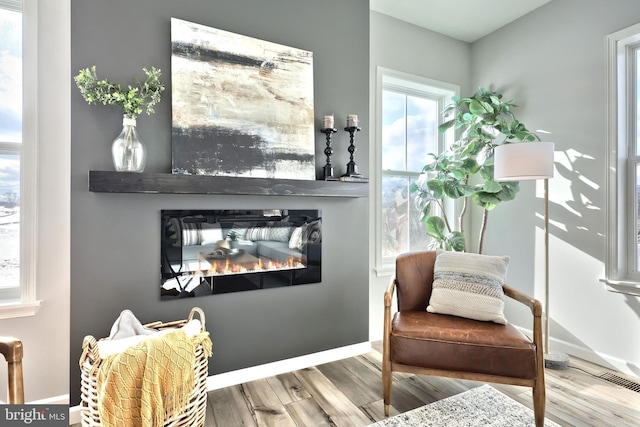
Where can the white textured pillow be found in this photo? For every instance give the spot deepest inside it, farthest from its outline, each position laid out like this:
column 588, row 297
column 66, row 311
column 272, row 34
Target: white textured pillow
column 210, row 233
column 295, row 242
column 469, row 285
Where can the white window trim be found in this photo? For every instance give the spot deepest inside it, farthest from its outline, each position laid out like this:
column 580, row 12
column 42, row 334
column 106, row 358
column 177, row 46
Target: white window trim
column 381, row 269
column 27, row 304
column 617, row 276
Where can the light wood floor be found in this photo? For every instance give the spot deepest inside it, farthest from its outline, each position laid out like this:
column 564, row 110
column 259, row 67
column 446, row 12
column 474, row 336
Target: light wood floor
column 348, row 393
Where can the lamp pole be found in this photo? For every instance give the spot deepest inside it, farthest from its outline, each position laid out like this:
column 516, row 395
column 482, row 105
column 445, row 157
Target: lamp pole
column 533, row 161
column 546, row 265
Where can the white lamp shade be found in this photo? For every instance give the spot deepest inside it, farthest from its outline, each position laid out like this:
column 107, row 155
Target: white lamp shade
column 523, row 161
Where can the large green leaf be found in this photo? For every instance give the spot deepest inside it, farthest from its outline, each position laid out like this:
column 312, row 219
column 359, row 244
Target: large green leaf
column 435, row 227
column 470, row 165
column 446, row 125
column 468, row 147
column 425, row 211
column 455, row 189
column 422, row 200
column 455, row 241
column 459, row 173
column 486, row 200
column 509, row 191
column 437, row 188
column 492, row 186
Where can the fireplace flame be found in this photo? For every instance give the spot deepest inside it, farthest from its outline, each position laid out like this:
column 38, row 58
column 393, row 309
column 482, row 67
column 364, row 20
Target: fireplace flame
column 228, row 267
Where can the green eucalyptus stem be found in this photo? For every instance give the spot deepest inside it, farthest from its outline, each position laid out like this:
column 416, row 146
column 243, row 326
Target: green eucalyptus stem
column 133, row 100
column 128, row 153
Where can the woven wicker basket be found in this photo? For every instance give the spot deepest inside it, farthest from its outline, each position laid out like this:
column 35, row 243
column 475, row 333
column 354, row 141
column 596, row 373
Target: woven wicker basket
column 194, row 413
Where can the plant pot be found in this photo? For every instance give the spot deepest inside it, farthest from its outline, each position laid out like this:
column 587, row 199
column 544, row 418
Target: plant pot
column 129, row 154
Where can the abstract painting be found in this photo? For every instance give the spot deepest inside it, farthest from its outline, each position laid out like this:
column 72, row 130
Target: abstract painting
column 240, row 106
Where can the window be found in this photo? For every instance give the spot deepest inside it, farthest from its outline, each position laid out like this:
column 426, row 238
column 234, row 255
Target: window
column 407, row 117
column 622, row 265
column 10, row 146
column 17, row 159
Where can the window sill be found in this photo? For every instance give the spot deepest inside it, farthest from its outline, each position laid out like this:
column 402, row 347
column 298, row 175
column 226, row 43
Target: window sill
column 622, row 286
column 385, row 271
column 19, row 309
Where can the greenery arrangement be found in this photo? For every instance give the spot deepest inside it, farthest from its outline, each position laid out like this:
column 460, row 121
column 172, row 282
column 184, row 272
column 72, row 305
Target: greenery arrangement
column 465, row 170
column 133, row 100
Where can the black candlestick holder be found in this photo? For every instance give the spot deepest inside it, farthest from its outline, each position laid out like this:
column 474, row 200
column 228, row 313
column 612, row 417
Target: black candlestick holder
column 352, row 167
column 328, row 168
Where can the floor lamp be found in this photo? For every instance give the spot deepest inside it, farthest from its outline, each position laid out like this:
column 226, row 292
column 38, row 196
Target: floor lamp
column 525, row 161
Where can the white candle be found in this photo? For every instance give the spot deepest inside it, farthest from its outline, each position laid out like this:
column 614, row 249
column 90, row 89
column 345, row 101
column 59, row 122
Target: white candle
column 352, row 120
column 327, row 122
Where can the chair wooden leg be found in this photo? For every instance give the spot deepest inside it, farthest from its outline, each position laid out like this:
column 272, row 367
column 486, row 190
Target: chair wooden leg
column 539, row 400
column 386, row 387
column 16, row 390
column 386, row 350
column 11, row 349
column 386, row 376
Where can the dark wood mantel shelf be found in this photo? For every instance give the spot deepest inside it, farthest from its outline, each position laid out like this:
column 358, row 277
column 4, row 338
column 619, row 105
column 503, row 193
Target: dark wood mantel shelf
column 166, row 183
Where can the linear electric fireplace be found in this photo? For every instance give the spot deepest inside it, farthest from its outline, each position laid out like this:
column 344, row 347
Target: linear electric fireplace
column 206, row 252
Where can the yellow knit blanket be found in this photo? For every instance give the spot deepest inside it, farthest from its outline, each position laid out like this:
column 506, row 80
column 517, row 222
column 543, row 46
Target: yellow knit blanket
column 149, row 382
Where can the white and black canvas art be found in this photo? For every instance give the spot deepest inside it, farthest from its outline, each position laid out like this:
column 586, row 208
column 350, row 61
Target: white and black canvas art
column 240, row 106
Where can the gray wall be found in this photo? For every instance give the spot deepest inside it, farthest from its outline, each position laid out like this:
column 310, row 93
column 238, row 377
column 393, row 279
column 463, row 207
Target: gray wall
column 115, row 242
column 404, row 47
column 552, row 63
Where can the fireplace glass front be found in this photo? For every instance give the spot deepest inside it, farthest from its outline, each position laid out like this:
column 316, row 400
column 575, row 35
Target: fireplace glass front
column 206, row 252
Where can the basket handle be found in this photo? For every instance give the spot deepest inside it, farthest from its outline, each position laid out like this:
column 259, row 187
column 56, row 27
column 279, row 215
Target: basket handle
column 198, row 310
column 89, row 347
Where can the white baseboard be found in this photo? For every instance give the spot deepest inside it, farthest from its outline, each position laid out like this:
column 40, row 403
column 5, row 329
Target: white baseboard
column 63, row 399
column 598, row 358
column 590, row 355
column 218, row 381
column 227, row 379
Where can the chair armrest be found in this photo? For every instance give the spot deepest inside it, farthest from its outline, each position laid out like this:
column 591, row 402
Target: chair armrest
column 532, row 303
column 386, row 337
column 388, row 294
column 536, row 310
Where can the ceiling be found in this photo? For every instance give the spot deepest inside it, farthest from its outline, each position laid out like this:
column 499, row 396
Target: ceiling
column 466, row 20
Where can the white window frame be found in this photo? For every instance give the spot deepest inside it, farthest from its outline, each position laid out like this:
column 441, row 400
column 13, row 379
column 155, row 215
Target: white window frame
column 621, row 209
column 422, row 86
column 24, row 302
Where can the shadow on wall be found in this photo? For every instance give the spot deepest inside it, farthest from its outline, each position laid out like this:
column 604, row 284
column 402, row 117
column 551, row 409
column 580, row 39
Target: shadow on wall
column 573, row 210
column 573, row 217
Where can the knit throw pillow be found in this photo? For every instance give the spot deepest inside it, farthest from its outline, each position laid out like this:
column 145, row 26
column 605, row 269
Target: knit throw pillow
column 469, row 285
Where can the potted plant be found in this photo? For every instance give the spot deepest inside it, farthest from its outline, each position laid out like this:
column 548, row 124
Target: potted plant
column 465, row 170
column 233, row 240
column 127, row 150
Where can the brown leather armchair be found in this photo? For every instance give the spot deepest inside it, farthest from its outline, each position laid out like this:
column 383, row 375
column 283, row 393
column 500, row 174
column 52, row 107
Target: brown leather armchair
column 11, row 349
column 420, row 342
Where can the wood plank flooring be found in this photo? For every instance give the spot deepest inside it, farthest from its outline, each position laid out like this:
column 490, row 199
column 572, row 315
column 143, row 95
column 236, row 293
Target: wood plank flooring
column 348, row 393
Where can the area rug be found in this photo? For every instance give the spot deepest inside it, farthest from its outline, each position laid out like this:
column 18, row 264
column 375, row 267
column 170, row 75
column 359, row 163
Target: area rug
column 482, row 406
